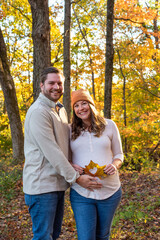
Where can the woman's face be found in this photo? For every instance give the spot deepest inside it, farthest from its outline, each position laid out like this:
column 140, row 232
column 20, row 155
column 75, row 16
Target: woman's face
column 82, row 110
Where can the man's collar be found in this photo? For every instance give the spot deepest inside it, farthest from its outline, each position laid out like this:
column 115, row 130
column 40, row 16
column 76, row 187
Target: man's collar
column 49, row 102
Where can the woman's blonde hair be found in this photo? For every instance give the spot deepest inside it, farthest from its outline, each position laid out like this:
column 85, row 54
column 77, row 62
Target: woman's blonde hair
column 98, row 124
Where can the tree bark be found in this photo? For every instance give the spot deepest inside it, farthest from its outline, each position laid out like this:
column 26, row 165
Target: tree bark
column 41, row 41
column 156, row 25
column 109, row 60
column 66, row 60
column 11, row 103
column 124, row 102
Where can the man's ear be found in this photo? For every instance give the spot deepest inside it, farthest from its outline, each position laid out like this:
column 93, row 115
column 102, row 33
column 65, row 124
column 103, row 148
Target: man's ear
column 41, row 85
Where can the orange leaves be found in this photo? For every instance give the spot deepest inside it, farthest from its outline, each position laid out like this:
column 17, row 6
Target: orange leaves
column 2, row 14
column 95, row 170
column 130, row 10
column 129, row 132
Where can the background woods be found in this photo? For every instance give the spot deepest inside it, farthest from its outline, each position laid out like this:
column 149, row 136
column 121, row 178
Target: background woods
column 109, row 47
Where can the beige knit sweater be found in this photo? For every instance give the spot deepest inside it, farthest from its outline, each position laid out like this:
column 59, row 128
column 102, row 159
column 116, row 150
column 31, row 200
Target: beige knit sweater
column 46, row 167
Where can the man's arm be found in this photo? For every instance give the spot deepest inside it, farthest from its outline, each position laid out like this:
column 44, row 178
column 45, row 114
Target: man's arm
column 41, row 131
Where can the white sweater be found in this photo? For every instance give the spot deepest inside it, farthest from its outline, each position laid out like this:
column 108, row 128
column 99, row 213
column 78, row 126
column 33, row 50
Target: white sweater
column 102, row 150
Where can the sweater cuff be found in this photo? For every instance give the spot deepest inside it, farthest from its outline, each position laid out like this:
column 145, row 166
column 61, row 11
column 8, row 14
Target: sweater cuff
column 77, row 175
column 119, row 156
column 75, row 179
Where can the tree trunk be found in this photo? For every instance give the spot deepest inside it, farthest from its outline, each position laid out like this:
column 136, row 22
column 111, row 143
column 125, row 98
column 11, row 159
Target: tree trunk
column 11, row 103
column 124, row 102
column 156, row 25
column 109, row 60
column 66, row 61
column 41, row 41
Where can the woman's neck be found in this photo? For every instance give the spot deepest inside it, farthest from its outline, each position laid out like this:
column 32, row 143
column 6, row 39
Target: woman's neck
column 86, row 125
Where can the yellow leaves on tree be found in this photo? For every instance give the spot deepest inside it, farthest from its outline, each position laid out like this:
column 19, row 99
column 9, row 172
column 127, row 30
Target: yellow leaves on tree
column 94, row 170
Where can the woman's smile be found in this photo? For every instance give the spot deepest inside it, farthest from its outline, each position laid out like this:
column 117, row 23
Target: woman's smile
column 82, row 110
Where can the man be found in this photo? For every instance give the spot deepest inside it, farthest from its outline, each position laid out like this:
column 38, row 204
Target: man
column 47, row 172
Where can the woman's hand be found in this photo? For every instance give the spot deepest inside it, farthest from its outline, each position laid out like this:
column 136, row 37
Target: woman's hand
column 110, row 169
column 78, row 168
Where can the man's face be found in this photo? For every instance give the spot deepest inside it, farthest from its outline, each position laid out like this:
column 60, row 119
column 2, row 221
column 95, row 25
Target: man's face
column 52, row 88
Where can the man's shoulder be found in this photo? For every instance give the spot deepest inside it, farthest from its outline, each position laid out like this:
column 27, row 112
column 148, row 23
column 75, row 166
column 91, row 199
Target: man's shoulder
column 37, row 108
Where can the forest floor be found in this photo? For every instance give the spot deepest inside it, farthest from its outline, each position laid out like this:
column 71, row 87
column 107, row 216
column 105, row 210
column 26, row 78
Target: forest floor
column 138, row 216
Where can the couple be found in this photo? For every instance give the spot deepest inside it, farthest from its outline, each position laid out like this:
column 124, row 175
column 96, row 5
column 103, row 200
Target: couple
column 47, row 172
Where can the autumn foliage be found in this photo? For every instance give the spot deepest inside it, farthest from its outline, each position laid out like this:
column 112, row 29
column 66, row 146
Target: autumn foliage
column 135, row 88
column 135, row 101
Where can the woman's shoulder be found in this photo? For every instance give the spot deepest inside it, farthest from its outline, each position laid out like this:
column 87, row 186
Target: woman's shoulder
column 111, row 124
column 109, row 121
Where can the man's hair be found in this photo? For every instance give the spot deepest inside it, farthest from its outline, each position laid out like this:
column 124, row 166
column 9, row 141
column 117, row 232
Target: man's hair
column 48, row 70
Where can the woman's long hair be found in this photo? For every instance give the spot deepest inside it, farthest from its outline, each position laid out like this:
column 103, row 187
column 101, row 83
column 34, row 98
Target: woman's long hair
column 98, row 124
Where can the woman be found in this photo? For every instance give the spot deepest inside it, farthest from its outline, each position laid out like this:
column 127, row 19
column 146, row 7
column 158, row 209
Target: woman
column 94, row 138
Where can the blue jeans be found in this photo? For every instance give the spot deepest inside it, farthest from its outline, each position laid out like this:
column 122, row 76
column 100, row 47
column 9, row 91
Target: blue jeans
column 94, row 217
column 46, row 212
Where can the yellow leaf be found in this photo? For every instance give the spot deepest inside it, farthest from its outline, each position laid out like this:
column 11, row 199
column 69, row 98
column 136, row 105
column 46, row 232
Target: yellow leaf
column 94, row 170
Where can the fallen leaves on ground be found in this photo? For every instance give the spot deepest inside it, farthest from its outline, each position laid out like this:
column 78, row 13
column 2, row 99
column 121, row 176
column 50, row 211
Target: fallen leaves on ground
column 137, row 217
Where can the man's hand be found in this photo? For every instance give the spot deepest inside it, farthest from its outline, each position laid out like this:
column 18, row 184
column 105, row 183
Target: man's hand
column 78, row 168
column 88, row 182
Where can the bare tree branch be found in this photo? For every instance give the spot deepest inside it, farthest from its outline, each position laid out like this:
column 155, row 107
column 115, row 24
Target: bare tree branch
column 21, row 12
